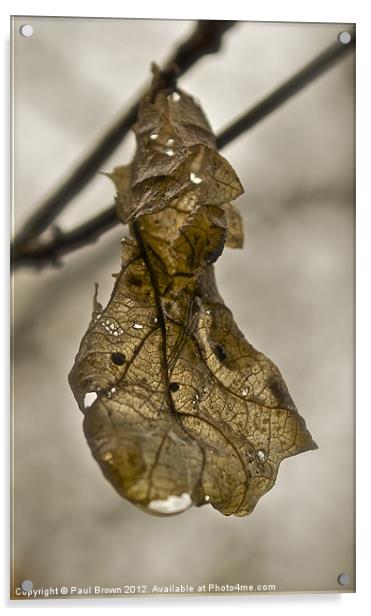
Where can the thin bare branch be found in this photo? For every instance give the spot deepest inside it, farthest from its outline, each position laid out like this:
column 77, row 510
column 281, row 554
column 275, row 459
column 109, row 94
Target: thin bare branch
column 37, row 253
column 206, row 38
column 292, row 86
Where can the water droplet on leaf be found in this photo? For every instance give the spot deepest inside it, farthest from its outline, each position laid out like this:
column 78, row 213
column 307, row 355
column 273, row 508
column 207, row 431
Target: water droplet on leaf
column 194, row 178
column 172, row 504
column 89, row 399
column 175, row 97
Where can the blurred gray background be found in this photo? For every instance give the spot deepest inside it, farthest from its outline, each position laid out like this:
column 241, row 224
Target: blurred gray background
column 290, row 290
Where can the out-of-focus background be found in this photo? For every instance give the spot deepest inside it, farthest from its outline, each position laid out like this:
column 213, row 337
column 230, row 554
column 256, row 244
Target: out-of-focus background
column 290, row 290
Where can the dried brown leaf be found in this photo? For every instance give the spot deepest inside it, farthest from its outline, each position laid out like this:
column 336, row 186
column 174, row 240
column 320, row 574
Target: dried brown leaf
column 179, row 408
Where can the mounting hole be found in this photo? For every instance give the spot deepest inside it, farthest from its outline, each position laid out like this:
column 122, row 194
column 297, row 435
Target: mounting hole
column 27, row 585
column 26, row 30
column 344, row 38
column 344, row 579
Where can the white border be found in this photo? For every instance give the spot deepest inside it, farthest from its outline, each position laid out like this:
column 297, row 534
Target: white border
column 269, row 10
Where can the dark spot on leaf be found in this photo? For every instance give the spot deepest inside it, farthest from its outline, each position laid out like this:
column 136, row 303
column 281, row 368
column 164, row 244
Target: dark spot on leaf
column 174, row 386
column 220, row 353
column 134, row 280
column 118, row 358
column 211, row 257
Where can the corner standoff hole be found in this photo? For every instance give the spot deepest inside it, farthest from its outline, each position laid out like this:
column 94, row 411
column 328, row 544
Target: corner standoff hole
column 344, row 579
column 344, row 38
column 26, row 30
column 27, row 585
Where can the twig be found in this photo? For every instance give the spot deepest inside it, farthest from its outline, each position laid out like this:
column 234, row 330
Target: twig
column 297, row 82
column 206, row 38
column 40, row 254
column 49, row 252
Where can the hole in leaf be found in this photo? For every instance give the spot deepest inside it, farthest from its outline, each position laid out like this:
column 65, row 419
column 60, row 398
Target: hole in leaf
column 118, row 358
column 174, row 386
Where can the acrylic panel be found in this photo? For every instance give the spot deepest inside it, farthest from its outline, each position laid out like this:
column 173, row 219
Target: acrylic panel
column 288, row 166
